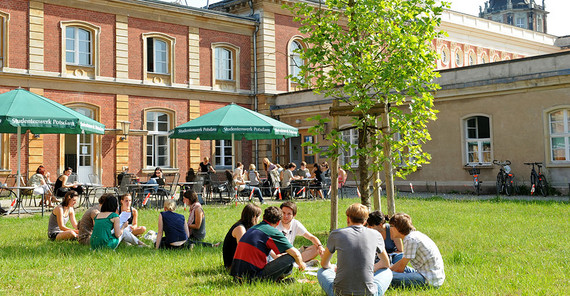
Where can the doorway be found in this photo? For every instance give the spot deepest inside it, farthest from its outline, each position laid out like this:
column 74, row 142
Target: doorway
column 79, row 151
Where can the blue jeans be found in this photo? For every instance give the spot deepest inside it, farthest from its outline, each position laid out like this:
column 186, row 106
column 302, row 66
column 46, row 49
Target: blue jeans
column 382, row 279
column 409, row 278
column 256, row 191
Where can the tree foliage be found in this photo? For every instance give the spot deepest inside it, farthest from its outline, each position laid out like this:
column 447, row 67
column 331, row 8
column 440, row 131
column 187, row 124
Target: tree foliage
column 371, row 52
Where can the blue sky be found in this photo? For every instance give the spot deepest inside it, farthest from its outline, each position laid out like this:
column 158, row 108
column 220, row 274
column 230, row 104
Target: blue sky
column 558, row 20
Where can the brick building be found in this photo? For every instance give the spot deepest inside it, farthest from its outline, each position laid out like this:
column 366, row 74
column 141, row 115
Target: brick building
column 150, row 66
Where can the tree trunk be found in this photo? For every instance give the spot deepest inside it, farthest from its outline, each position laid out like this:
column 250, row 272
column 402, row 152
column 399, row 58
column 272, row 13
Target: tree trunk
column 363, row 166
column 390, row 203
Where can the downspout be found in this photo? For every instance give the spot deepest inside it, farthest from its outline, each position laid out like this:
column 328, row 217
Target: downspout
column 255, row 90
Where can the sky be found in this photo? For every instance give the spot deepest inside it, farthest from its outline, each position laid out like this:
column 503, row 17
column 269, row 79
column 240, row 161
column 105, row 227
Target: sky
column 558, row 19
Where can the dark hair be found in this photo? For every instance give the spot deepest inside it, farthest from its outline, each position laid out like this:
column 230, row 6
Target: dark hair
column 272, row 215
column 154, row 173
column 248, row 215
column 376, row 218
column 229, row 175
column 291, row 205
column 190, row 175
column 238, row 164
column 403, row 223
column 41, row 170
column 68, row 169
column 191, row 196
column 104, row 197
column 68, row 196
column 110, row 205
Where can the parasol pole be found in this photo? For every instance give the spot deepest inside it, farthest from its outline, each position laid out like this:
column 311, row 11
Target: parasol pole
column 19, row 142
column 233, row 153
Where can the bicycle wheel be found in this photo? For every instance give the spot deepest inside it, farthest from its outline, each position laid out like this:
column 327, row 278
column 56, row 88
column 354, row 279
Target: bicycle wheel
column 500, row 182
column 477, row 187
column 509, row 186
column 533, row 182
column 542, row 186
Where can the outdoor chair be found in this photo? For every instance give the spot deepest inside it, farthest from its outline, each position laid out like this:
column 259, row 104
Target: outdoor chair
column 167, row 191
column 235, row 194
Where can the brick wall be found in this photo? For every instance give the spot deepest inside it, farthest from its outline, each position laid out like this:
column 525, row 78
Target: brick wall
column 285, row 29
column 54, row 14
column 138, row 105
column 106, row 105
column 207, row 37
column 139, row 26
column 18, row 25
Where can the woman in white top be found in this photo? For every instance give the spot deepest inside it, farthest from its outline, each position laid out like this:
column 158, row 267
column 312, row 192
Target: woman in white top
column 242, row 186
column 286, row 178
column 130, row 215
column 39, row 181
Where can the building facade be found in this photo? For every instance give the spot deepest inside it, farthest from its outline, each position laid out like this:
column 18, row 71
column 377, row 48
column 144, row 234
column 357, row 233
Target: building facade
column 146, row 66
column 526, row 14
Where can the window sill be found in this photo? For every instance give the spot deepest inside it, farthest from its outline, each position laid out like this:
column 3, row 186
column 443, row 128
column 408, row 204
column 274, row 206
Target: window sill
column 558, row 164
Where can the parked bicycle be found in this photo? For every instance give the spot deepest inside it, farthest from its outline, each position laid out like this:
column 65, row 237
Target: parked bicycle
column 474, row 171
column 505, row 179
column 537, row 179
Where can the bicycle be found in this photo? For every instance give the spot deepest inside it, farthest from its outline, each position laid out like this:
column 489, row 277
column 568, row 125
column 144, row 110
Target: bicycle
column 537, row 179
column 505, row 179
column 474, row 171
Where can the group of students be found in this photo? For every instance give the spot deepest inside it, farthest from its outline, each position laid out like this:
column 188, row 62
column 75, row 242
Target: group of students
column 372, row 255
column 113, row 220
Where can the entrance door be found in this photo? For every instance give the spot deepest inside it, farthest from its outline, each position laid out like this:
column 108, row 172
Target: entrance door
column 79, row 151
column 296, row 150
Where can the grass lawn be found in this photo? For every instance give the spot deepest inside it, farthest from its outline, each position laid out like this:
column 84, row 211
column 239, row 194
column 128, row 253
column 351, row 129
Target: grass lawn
column 489, row 248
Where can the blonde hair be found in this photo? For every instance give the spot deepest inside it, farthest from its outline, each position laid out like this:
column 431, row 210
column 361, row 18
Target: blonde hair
column 170, row 204
column 358, row 213
column 252, row 167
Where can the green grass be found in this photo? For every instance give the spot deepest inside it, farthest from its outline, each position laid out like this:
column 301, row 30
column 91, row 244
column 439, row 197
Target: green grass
column 489, row 248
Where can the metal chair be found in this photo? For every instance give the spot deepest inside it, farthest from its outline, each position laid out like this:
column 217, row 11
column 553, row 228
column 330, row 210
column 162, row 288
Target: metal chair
column 168, row 191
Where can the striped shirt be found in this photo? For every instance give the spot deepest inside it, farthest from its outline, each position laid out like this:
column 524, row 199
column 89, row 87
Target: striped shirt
column 251, row 253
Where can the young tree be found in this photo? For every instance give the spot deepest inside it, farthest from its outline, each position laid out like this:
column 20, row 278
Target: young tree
column 370, row 55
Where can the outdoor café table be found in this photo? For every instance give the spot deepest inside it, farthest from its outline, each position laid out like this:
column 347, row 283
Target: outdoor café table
column 89, row 188
column 19, row 199
column 136, row 190
column 302, row 183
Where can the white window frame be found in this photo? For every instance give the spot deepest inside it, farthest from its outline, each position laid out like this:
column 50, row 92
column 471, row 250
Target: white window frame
column 224, row 58
column 76, row 51
column 295, row 61
column 520, row 22
column 221, row 158
column 154, row 77
column 153, row 136
column 155, row 54
column 351, row 137
column 480, row 142
column 565, row 135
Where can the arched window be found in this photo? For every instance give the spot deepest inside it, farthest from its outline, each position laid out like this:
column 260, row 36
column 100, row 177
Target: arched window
column 158, row 58
column 295, row 61
column 157, row 142
column 157, row 55
column 224, row 64
column 478, row 139
column 559, row 123
column 472, row 59
column 78, row 46
column 80, row 49
column 458, row 57
column 4, row 17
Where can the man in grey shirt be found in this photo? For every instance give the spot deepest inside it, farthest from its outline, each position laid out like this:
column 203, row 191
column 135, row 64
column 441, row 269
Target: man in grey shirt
column 355, row 273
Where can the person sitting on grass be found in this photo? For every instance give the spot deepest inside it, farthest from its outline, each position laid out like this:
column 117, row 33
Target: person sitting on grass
column 378, row 221
column 356, row 272
column 86, row 223
column 107, row 229
column 249, row 217
column 129, row 215
column 59, row 217
column 250, row 259
column 173, row 225
column 196, row 220
column 420, row 251
column 291, row 228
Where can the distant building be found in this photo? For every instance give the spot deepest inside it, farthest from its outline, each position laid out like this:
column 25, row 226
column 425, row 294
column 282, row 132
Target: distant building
column 526, row 14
